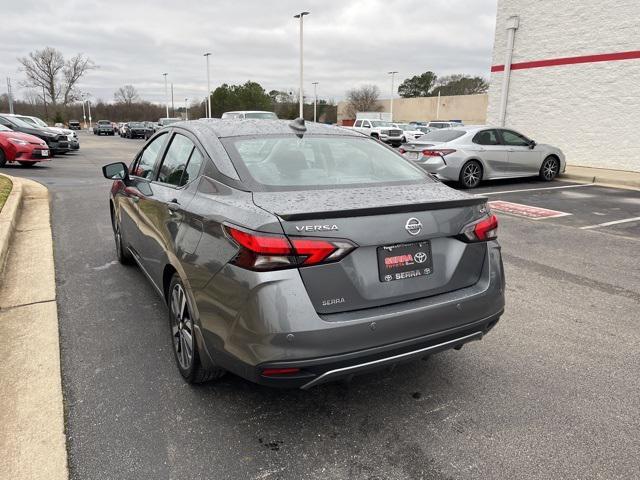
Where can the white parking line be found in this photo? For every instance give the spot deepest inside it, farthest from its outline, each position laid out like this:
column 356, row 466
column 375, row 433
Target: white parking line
column 616, row 222
column 538, row 189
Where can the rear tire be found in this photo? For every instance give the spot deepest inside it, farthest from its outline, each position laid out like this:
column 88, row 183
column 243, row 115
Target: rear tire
column 183, row 337
column 470, row 174
column 549, row 169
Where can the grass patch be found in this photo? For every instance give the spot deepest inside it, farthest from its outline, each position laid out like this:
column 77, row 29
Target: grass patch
column 5, row 189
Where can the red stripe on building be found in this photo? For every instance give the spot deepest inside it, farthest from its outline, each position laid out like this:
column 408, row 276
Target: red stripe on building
column 552, row 62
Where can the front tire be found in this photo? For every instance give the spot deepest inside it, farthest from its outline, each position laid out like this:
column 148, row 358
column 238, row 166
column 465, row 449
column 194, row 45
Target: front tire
column 549, row 169
column 3, row 158
column 122, row 252
column 470, row 174
column 183, row 336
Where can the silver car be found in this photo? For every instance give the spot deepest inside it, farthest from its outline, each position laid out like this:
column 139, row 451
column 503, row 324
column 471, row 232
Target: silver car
column 471, row 154
column 293, row 255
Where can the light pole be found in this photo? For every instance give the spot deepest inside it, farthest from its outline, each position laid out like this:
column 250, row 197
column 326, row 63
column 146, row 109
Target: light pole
column 208, row 86
column 393, row 74
column 84, row 115
column 301, row 16
column 315, row 101
column 166, row 94
column 186, row 109
column 89, row 106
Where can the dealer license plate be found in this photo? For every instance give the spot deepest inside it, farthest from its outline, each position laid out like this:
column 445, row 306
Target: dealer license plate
column 404, row 260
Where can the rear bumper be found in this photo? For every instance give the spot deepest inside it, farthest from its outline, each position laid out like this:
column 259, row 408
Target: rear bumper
column 317, row 371
column 269, row 321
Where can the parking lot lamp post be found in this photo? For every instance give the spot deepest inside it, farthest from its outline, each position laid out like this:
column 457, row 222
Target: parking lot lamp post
column 208, row 86
column 301, row 16
column 84, row 115
column 89, row 106
column 315, row 101
column 186, row 109
column 393, row 74
column 166, row 94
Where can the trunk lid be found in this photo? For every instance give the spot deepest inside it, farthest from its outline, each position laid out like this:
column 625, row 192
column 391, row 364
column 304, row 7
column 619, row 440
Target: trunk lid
column 378, row 217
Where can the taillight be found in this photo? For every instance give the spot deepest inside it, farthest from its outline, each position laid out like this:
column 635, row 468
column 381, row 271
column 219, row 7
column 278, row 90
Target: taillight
column 265, row 251
column 483, row 230
column 434, row 152
column 274, row 372
column 401, row 150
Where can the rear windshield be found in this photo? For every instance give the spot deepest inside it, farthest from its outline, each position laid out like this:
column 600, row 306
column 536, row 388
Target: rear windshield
column 261, row 115
column 445, row 135
column 289, row 163
column 104, row 122
column 136, row 124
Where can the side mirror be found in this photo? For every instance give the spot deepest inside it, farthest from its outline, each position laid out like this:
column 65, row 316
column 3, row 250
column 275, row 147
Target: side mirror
column 532, row 144
column 116, row 171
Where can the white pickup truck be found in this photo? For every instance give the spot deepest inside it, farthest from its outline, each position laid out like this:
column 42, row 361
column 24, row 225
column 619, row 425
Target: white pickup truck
column 380, row 129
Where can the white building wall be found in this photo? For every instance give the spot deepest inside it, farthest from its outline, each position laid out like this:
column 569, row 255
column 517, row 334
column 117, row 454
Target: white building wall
column 590, row 110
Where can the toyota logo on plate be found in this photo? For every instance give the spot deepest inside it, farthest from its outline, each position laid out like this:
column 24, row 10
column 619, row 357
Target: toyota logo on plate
column 420, row 257
column 413, row 226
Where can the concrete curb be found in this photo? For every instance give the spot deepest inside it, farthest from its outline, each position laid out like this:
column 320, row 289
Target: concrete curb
column 602, row 180
column 9, row 218
column 32, row 430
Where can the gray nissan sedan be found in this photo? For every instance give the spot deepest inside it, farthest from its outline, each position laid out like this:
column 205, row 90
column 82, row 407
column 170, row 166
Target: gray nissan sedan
column 292, row 254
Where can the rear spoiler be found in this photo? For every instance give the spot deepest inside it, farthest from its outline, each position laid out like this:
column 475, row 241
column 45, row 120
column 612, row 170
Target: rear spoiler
column 363, row 212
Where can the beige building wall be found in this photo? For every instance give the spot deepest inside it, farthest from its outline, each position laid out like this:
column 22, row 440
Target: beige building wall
column 471, row 109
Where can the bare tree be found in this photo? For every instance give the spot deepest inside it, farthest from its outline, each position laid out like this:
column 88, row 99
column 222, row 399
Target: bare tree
column 127, row 95
column 363, row 99
column 48, row 72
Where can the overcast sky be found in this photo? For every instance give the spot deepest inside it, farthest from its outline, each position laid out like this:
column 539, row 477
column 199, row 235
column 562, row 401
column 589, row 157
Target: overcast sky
column 347, row 42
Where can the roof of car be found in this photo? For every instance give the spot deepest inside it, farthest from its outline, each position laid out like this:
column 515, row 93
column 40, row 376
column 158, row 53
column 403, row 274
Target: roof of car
column 237, row 127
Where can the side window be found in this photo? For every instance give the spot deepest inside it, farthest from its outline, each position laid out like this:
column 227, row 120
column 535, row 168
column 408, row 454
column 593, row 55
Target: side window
column 143, row 166
column 193, row 167
column 366, row 124
column 486, row 137
column 358, row 123
column 175, row 160
column 514, row 139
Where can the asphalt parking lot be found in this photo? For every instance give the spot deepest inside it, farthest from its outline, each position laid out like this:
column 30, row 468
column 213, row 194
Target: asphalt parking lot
column 552, row 392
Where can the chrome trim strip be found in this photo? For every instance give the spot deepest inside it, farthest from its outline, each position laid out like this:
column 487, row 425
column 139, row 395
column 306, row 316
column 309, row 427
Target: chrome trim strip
column 339, row 371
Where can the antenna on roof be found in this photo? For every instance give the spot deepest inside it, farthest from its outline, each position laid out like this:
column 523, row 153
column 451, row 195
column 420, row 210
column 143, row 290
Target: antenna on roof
column 298, row 126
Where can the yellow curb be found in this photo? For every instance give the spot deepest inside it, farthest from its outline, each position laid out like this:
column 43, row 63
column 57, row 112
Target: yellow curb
column 9, row 217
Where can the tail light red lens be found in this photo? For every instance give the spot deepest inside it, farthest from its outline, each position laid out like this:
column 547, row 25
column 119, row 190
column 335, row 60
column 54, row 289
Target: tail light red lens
column 401, row 150
column 485, row 229
column 265, row 251
column 437, row 152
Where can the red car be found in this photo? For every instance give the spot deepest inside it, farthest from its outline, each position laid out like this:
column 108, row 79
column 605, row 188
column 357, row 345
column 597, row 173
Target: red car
column 23, row 148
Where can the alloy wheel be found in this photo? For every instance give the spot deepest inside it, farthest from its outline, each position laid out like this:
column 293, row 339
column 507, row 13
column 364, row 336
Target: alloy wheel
column 550, row 169
column 181, row 327
column 471, row 175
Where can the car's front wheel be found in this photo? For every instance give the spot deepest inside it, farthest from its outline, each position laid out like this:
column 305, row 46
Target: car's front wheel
column 3, row 159
column 183, row 336
column 470, row 174
column 122, row 252
column 549, row 169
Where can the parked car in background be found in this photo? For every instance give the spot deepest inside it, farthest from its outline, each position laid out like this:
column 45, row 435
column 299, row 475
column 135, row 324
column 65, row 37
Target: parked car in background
column 120, row 129
column 74, row 125
column 165, row 121
column 469, row 155
column 313, row 251
column 23, row 148
column 249, row 114
column 379, row 129
column 103, row 127
column 440, row 124
column 56, row 141
column 72, row 137
column 422, row 128
column 135, row 130
column 409, row 132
